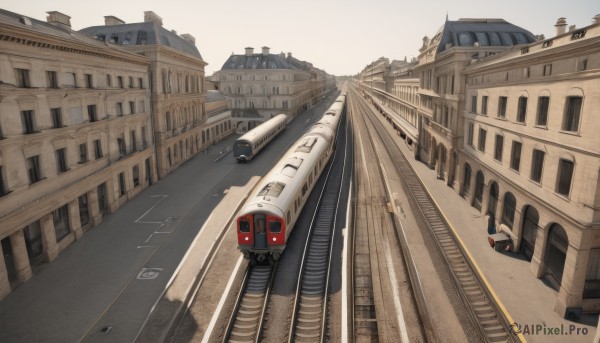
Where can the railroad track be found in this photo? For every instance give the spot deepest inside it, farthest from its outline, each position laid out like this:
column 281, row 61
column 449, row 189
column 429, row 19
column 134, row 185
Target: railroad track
column 246, row 321
column 483, row 311
column 309, row 311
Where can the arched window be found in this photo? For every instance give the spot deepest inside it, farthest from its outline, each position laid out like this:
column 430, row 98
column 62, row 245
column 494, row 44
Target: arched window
column 479, row 183
column 508, row 210
column 530, row 225
column 556, row 254
column 493, row 203
column 467, row 179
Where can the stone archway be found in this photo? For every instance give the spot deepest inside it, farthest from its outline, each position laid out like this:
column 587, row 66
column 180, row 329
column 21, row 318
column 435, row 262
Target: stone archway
column 508, row 210
column 493, row 203
column 531, row 219
column 479, row 185
column 442, row 161
column 556, row 255
column 466, row 185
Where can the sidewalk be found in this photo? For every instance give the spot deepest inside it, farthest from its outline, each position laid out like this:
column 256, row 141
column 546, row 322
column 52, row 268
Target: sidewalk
column 527, row 299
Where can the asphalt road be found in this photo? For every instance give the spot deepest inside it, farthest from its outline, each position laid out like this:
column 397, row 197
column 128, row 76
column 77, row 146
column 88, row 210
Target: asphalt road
column 108, row 281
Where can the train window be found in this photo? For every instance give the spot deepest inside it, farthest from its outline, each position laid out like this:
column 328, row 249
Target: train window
column 272, row 189
column 288, row 218
column 259, row 223
column 244, row 226
column 304, row 189
column 275, row 227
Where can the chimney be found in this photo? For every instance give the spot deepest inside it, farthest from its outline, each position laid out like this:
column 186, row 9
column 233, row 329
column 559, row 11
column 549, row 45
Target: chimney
column 265, row 50
column 58, row 19
column 189, row 38
column 289, row 55
column 110, row 20
column 249, row 51
column 596, row 19
column 150, row 16
column 571, row 28
column 561, row 26
column 282, row 55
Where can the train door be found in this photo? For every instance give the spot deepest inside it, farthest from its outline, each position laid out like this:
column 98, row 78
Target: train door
column 260, row 231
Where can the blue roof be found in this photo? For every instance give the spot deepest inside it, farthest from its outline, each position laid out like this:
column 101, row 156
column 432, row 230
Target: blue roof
column 146, row 33
column 484, row 32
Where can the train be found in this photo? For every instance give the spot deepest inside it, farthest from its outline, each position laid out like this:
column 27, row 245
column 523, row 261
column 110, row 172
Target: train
column 253, row 141
column 267, row 218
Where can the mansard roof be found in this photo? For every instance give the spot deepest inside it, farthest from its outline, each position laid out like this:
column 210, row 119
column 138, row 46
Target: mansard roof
column 479, row 32
column 262, row 61
column 145, row 33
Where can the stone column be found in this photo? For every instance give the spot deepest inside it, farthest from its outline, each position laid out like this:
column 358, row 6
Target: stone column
column 94, row 207
column 573, row 280
column 537, row 265
column 4, row 283
column 49, row 237
column 19, row 251
column 74, row 219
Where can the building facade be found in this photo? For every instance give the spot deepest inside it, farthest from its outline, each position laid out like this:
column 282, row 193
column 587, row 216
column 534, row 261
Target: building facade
column 509, row 121
column 75, row 139
column 532, row 157
column 260, row 86
column 176, row 84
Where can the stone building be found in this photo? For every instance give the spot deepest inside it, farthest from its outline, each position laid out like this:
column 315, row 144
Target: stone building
column 532, row 156
column 511, row 124
column 260, row 86
column 176, row 84
column 442, row 60
column 75, row 137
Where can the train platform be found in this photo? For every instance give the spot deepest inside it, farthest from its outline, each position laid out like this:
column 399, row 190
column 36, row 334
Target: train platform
column 528, row 300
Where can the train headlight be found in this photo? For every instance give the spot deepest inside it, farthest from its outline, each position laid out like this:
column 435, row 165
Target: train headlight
column 274, row 239
column 246, row 238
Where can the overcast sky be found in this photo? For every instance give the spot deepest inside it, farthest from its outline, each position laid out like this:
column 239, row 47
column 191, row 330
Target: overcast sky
column 339, row 36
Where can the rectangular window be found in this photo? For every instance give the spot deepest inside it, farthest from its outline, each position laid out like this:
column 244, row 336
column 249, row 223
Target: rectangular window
column 51, row 79
column 572, row 113
column 61, row 222
column 120, row 81
column 547, row 69
column 132, row 107
column 108, row 80
column 121, row 145
column 474, row 104
column 102, row 200
column 89, row 82
column 542, row 111
column 56, row 115
column 481, row 142
column 564, row 177
column 3, row 186
column 92, row 113
column 522, row 109
column 119, row 109
column 515, row 156
column 136, row 176
column 28, row 121
column 502, row 106
column 83, row 154
column 499, row 148
column 84, row 211
column 61, row 160
column 34, row 172
column 22, row 76
column 144, row 141
column 582, row 64
column 133, row 141
column 141, row 83
column 484, row 102
column 130, row 82
column 98, row 149
column 537, row 165
column 122, row 188
column 470, row 134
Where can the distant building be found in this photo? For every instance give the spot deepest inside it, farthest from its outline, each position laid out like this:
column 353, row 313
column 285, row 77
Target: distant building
column 75, row 137
column 177, row 84
column 260, row 86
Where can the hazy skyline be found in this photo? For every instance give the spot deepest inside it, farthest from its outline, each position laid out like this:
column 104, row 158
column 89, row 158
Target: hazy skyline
column 340, row 37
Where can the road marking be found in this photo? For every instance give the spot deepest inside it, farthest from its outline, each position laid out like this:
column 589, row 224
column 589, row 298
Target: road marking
column 149, row 273
column 143, row 215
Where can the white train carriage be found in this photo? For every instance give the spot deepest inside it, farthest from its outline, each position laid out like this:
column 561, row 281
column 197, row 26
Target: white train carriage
column 266, row 221
column 253, row 141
